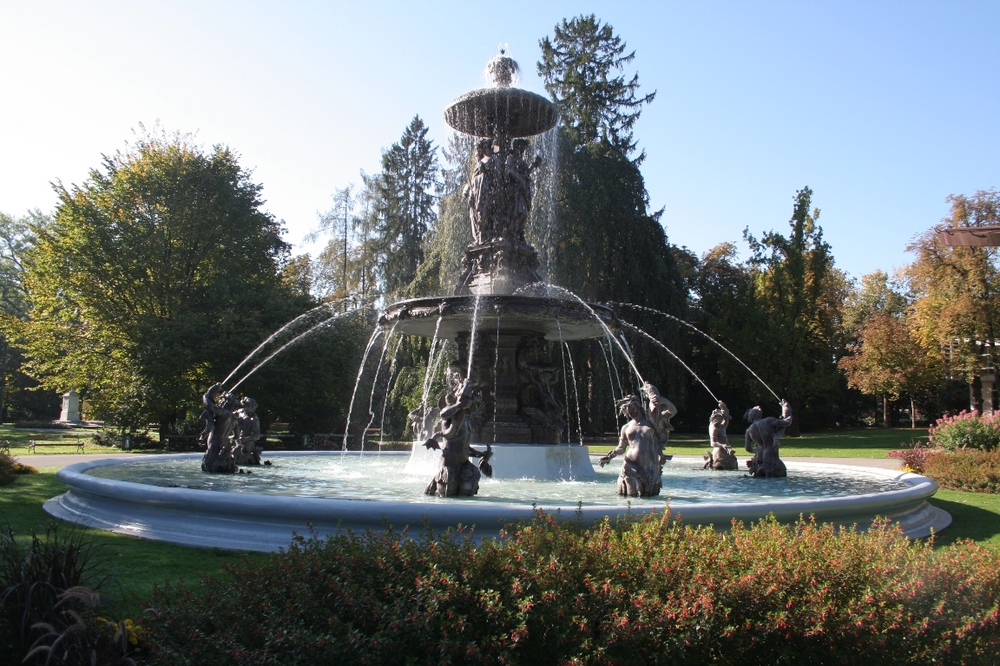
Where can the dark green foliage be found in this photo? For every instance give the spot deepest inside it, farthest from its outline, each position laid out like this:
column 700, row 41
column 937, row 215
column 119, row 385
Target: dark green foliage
column 404, row 206
column 581, row 66
column 605, row 245
column 652, row 591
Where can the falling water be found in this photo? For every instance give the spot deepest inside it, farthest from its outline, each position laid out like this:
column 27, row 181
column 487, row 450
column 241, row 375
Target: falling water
column 704, row 334
column 607, row 331
column 357, row 380
column 667, row 349
column 472, row 334
column 302, row 336
column 542, row 224
column 274, row 336
column 385, row 401
column 378, row 371
column 431, row 368
column 576, row 389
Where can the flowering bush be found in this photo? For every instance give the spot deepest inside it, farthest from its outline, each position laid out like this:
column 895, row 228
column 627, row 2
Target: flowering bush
column 966, row 430
column 646, row 591
column 970, row 470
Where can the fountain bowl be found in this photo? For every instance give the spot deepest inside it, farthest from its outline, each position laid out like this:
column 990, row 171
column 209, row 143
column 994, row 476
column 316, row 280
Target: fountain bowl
column 267, row 522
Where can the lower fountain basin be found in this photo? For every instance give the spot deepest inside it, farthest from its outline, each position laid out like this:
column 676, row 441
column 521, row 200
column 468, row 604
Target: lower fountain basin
column 171, row 500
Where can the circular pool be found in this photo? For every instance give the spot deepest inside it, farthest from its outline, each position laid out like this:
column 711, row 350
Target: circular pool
column 169, row 498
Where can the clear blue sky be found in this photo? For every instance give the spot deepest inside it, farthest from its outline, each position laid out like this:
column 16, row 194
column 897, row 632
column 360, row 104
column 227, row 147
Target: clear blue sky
column 882, row 108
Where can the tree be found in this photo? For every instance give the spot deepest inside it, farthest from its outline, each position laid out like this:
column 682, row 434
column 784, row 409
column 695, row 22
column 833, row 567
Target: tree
column 155, row 277
column 581, row 68
column 601, row 200
column 404, row 197
column 957, row 290
column 885, row 359
column 16, row 238
column 801, row 296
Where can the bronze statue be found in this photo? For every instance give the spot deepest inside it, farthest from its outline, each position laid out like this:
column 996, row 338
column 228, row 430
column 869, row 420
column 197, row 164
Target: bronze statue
column 642, row 440
column 221, row 421
column 721, row 457
column 247, row 452
column 763, row 439
column 456, row 474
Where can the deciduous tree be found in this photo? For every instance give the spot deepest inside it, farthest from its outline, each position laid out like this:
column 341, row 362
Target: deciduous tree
column 957, row 289
column 157, row 274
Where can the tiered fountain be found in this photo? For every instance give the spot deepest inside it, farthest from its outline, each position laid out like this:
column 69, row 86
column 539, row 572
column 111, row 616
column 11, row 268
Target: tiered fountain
column 503, row 336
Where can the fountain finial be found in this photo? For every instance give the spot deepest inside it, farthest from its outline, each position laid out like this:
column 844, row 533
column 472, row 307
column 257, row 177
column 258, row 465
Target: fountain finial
column 502, row 71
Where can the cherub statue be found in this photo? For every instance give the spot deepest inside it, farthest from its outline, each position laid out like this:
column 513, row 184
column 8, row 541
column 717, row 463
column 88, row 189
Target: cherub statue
column 248, row 432
column 721, row 456
column 642, row 440
column 221, row 420
column 763, row 438
column 456, row 474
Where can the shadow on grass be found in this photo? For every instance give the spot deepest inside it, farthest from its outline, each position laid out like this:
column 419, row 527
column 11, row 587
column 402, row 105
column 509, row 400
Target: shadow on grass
column 969, row 521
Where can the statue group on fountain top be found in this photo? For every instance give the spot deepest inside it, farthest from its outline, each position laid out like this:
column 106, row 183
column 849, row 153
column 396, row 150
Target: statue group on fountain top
column 500, row 190
column 232, row 430
column 642, row 441
column 456, row 475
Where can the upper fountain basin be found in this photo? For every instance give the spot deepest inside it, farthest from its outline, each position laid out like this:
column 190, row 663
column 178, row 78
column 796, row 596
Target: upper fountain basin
column 492, row 112
column 447, row 316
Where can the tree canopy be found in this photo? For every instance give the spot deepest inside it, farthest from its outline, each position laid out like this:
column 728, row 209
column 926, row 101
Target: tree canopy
column 156, row 275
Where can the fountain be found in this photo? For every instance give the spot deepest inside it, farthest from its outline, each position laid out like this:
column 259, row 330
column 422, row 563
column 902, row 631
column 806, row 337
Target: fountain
column 503, row 321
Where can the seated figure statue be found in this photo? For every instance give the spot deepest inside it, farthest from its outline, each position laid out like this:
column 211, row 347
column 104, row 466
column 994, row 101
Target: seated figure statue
column 642, row 440
column 247, row 451
column 763, row 439
column 721, row 457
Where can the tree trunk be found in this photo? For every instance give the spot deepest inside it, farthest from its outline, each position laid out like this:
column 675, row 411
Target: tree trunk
column 885, row 410
column 913, row 414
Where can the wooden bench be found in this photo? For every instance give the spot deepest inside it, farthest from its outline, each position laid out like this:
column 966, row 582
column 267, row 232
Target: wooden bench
column 55, row 440
column 182, row 443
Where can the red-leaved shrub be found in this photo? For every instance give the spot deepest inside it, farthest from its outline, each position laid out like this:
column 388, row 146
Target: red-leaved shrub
column 648, row 591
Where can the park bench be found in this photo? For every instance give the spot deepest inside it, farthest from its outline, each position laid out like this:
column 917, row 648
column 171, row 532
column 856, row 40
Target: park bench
column 5, row 446
column 67, row 439
column 182, row 443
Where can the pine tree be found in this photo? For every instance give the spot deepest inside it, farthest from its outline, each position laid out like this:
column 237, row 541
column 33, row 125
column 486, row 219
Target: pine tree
column 607, row 245
column 405, row 196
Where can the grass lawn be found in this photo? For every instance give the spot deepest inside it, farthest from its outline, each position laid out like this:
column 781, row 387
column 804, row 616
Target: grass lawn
column 138, row 565
column 135, row 565
column 847, row 443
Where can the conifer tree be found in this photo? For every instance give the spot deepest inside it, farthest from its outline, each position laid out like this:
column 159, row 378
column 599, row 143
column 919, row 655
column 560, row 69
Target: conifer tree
column 405, row 193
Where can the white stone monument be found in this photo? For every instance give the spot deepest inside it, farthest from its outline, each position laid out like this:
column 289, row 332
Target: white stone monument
column 70, row 408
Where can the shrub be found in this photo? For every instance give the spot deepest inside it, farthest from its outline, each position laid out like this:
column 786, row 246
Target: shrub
column 966, row 430
column 44, row 608
column 646, row 591
column 971, row 470
column 10, row 468
column 914, row 458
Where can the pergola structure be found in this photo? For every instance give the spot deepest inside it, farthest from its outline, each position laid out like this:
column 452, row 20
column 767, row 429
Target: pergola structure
column 970, row 236
column 976, row 237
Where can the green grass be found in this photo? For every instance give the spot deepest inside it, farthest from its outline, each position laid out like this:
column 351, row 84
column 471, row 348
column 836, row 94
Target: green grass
column 847, row 443
column 135, row 565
